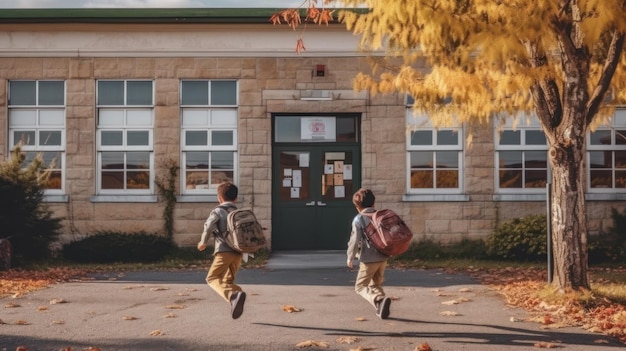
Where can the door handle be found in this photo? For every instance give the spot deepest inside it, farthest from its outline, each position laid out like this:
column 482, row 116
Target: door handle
column 311, row 203
column 319, row 203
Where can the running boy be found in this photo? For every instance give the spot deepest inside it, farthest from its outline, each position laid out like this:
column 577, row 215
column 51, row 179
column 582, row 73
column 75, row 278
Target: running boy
column 372, row 263
column 226, row 261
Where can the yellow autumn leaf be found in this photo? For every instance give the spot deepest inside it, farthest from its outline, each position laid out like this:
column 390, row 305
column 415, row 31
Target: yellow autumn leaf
column 312, row 343
column 291, row 308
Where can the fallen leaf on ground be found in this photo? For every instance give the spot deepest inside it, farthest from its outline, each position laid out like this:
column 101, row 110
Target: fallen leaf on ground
column 465, row 290
column 347, row 339
column 11, row 305
column 546, row 345
column 423, row 347
column 361, row 348
column 291, row 308
column 170, row 315
column 450, row 302
column 360, row 319
column 158, row 289
column 601, row 341
column 42, row 308
column 57, row 301
column 92, row 349
column 129, row 318
column 21, row 322
column 312, row 343
column 157, row 332
column 175, row 307
column 57, row 322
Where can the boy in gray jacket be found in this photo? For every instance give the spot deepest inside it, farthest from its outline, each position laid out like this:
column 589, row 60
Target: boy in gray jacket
column 372, row 263
column 226, row 261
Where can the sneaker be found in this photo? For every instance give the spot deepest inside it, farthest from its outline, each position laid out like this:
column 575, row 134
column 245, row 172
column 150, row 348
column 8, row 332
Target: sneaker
column 382, row 310
column 236, row 304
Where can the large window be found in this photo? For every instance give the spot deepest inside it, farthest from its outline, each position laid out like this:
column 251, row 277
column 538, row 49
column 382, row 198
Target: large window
column 521, row 157
column 125, row 129
column 606, row 156
column 209, row 134
column 434, row 157
column 37, row 121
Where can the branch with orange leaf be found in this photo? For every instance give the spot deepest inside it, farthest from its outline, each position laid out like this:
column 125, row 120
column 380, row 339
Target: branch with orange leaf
column 293, row 17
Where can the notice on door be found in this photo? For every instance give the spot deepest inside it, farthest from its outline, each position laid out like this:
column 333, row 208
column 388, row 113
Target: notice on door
column 317, row 129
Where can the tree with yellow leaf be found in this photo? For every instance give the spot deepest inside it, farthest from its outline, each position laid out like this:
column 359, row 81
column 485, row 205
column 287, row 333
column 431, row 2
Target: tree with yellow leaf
column 560, row 60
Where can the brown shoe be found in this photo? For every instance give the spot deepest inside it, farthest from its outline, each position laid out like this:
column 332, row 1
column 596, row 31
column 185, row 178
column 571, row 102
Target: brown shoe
column 237, row 301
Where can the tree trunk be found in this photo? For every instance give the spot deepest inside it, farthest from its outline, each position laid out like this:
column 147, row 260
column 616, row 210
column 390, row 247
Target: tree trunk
column 569, row 217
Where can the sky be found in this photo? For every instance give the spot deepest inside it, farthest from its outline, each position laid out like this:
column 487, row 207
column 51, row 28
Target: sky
column 29, row 4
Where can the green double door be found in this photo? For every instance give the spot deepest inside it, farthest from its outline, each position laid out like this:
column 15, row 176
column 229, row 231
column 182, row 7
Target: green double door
column 312, row 195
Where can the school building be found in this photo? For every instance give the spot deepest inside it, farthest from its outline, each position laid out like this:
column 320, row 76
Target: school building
column 114, row 98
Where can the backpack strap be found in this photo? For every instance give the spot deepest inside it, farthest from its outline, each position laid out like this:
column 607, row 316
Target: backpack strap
column 225, row 210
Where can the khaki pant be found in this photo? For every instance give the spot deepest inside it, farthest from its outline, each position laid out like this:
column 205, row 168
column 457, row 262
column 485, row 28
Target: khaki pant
column 369, row 281
column 221, row 276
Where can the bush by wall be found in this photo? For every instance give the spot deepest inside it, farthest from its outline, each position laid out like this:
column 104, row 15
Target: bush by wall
column 610, row 246
column 521, row 239
column 25, row 219
column 118, row 247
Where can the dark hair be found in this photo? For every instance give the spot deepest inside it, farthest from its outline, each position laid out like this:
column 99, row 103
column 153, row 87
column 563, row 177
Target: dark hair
column 228, row 191
column 363, row 198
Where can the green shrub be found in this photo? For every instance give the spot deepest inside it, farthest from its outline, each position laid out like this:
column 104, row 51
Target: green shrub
column 610, row 246
column 25, row 219
column 521, row 239
column 118, row 247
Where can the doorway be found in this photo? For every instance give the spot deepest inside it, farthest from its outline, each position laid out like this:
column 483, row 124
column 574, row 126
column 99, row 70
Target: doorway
column 313, row 181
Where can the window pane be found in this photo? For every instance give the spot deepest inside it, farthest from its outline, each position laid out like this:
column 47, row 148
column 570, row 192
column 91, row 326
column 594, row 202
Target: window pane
column 447, row 159
column 110, row 117
column 535, row 137
column 195, row 93
column 138, row 180
column 112, row 160
column 112, row 180
column 600, row 159
column 26, row 137
column 421, row 137
column 51, row 118
column 447, row 179
column 536, row 159
column 511, row 179
column 55, row 180
column 137, row 117
column 620, row 159
column 139, row 93
column 510, row 137
column 50, row 137
column 287, row 129
column 138, row 160
column 18, row 118
column 510, row 159
column 110, row 92
column 422, row 179
column 620, row 179
column 346, row 130
column 223, row 92
column 422, row 159
column 447, row 137
column 196, row 137
column 51, row 93
column 222, row 138
column 620, row 137
column 222, row 160
column 536, row 179
column 600, row 179
column 600, row 137
column 220, row 177
column 112, row 138
column 138, row 138
column 22, row 93
column 224, row 117
column 52, row 159
column 197, row 160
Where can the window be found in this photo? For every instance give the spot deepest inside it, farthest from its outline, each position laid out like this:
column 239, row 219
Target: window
column 434, row 157
column 37, row 120
column 521, row 157
column 125, row 128
column 606, row 156
column 209, row 134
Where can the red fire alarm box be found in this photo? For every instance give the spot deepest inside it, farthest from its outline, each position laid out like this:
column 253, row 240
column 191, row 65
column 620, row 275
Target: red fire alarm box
column 320, row 70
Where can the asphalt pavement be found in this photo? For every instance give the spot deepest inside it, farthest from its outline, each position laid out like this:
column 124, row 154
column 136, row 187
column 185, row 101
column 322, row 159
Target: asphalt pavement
column 299, row 301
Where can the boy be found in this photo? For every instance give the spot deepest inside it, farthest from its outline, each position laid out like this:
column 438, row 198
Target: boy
column 372, row 264
column 226, row 261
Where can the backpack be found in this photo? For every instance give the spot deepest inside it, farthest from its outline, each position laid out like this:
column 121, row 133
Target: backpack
column 388, row 233
column 243, row 232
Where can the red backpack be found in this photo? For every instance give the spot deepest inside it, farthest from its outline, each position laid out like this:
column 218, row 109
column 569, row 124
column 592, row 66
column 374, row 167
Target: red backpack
column 388, row 233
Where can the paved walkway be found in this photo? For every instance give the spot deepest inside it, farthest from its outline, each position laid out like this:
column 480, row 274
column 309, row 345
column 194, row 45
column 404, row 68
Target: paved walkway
column 177, row 311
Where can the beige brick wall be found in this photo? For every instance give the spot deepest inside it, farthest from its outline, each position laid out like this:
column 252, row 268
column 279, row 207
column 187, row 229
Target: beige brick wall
column 267, row 85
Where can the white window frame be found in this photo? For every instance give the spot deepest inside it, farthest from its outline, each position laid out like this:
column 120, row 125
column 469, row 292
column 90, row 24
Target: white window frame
column 38, row 118
column 208, row 118
column 523, row 125
column 125, row 119
column 613, row 127
column 423, row 123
